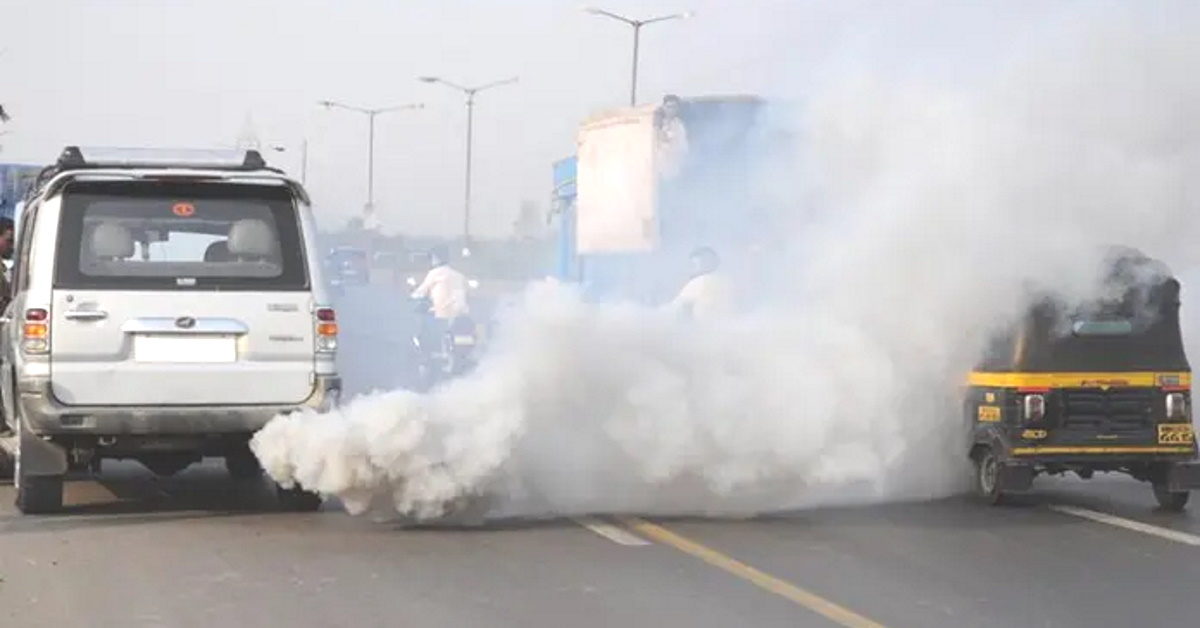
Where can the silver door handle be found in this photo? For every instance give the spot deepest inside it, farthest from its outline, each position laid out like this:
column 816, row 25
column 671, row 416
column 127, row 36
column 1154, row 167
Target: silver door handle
column 86, row 315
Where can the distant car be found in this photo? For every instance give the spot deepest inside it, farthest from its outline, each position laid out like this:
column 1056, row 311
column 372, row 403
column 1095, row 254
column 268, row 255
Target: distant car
column 165, row 310
column 349, row 266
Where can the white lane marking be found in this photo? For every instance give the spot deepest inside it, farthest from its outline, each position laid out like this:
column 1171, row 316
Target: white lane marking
column 1129, row 524
column 614, row 533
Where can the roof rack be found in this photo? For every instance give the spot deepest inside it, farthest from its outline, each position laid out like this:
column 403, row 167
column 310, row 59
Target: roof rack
column 76, row 158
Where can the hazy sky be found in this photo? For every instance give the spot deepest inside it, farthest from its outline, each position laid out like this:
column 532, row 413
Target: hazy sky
column 193, row 73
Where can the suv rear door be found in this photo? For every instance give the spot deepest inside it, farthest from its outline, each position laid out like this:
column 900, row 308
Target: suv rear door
column 180, row 293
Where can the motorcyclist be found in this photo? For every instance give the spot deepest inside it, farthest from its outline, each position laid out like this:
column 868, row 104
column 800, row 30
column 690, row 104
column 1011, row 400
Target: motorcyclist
column 708, row 294
column 445, row 289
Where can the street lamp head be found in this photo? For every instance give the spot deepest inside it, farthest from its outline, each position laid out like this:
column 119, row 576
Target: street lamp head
column 687, row 15
column 328, row 104
column 428, row 79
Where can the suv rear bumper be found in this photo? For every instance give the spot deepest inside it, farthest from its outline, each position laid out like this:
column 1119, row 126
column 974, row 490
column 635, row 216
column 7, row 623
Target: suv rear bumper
column 46, row 416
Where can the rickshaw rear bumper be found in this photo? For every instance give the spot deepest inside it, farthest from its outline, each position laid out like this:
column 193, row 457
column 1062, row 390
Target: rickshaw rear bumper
column 1178, row 472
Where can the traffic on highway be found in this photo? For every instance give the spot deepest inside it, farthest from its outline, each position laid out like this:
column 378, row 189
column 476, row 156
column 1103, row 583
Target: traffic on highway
column 817, row 314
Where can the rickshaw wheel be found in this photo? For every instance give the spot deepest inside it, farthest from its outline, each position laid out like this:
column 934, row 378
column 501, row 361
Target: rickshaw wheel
column 987, row 477
column 1172, row 501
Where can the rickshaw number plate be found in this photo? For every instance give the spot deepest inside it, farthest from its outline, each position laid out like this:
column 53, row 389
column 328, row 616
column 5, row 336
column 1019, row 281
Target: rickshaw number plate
column 989, row 414
column 1175, row 434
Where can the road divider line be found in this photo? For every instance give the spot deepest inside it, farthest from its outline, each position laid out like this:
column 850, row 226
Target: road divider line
column 1129, row 524
column 811, row 601
column 614, row 533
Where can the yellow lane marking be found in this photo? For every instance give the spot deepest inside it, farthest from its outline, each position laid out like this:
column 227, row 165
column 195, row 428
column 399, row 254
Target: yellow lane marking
column 813, row 602
column 1050, row 449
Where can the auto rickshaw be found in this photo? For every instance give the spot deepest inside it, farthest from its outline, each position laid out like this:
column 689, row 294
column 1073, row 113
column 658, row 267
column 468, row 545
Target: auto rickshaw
column 1099, row 386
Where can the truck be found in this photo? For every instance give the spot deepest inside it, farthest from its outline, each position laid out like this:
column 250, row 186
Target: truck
column 650, row 183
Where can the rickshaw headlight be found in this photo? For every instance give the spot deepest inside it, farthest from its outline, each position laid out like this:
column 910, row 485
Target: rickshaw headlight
column 1034, row 407
column 1177, row 406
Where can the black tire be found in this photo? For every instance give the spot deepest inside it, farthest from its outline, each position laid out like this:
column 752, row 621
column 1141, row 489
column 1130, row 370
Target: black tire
column 987, row 477
column 1170, row 501
column 242, row 464
column 36, row 494
column 298, row 499
column 40, row 494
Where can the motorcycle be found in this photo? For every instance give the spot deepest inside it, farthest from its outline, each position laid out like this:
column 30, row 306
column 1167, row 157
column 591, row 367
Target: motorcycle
column 445, row 350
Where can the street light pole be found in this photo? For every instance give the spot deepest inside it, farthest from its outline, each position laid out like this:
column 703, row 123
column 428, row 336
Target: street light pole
column 371, row 161
column 371, row 114
column 280, row 148
column 470, row 94
column 637, row 37
column 304, row 162
column 467, row 182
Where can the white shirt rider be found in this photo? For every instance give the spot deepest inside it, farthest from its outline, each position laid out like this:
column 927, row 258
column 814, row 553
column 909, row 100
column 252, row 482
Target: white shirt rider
column 446, row 290
column 709, row 293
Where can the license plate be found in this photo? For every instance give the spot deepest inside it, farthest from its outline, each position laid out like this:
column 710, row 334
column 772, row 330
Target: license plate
column 175, row 349
column 1175, row 434
column 464, row 340
column 989, row 414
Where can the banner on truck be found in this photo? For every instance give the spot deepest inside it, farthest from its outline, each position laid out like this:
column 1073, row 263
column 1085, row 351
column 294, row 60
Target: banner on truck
column 617, row 184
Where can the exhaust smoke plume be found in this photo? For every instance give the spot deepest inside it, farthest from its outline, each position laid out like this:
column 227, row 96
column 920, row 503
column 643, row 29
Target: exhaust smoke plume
column 930, row 218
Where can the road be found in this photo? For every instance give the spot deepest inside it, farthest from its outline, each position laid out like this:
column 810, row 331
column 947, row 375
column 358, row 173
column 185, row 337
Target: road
column 201, row 550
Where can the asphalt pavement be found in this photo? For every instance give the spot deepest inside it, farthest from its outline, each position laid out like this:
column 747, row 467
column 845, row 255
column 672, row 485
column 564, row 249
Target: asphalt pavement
column 199, row 549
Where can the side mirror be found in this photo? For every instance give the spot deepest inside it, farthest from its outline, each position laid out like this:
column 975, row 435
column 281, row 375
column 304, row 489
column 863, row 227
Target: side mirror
column 473, row 284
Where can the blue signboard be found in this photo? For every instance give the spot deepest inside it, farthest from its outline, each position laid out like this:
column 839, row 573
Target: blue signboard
column 15, row 179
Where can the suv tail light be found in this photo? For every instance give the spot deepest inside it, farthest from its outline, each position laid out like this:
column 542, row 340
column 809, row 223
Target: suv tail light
column 1177, row 406
column 35, row 336
column 1033, row 408
column 327, row 329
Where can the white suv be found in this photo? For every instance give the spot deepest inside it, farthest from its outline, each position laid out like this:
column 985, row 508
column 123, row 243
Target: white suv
column 164, row 308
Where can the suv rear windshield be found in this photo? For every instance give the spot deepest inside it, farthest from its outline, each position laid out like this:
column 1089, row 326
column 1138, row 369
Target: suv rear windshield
column 159, row 235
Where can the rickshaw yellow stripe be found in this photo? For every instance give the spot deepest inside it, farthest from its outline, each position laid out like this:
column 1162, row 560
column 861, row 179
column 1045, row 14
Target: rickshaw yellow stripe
column 1078, row 380
column 1050, row 450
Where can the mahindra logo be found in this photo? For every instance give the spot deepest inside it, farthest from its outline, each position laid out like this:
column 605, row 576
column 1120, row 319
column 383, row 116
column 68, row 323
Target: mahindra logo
column 185, row 322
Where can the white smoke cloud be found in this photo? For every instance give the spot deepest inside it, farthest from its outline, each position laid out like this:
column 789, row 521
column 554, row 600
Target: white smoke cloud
column 937, row 212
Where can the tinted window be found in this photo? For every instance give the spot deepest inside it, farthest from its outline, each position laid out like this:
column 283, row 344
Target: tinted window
column 1122, row 327
column 166, row 235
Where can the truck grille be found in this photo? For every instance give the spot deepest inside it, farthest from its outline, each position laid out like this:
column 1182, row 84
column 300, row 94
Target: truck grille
column 1112, row 410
